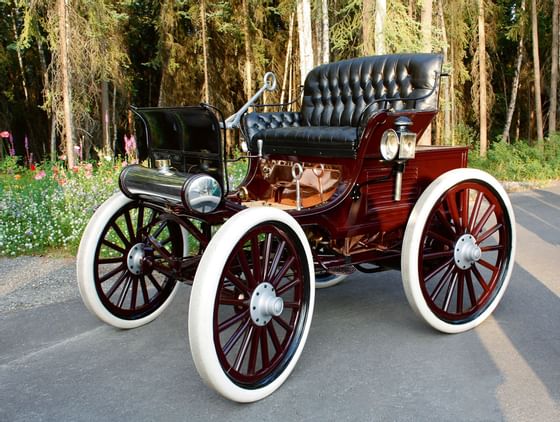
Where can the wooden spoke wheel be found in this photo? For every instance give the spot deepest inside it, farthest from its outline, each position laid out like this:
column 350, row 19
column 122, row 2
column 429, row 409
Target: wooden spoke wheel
column 251, row 304
column 458, row 250
column 118, row 275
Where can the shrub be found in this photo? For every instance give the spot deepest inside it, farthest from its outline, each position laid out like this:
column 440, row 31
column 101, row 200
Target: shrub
column 50, row 206
column 521, row 161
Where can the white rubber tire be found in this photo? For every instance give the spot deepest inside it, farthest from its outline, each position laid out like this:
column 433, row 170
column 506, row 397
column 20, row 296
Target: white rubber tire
column 412, row 239
column 330, row 280
column 85, row 266
column 203, row 294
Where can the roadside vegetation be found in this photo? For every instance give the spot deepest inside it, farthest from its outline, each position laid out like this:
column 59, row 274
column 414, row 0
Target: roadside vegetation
column 45, row 208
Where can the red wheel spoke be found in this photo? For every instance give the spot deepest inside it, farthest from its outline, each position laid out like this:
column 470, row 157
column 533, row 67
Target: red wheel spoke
column 128, row 220
column 121, row 235
column 233, row 320
column 256, row 259
column 237, row 334
column 117, row 260
column 264, row 348
column 145, row 293
column 449, row 264
column 243, row 349
column 482, row 237
column 486, row 264
column 483, row 220
column 281, row 290
column 479, row 278
column 283, row 324
column 159, row 230
column 277, row 256
column 440, row 238
column 242, row 258
column 452, row 205
column 491, row 248
column 236, row 281
column 464, row 200
column 437, row 255
column 231, row 300
column 117, row 284
column 155, row 282
column 112, row 273
column 280, row 275
column 292, row 305
column 460, row 288
column 445, row 223
column 255, row 339
column 134, row 293
column 113, row 246
column 274, row 337
column 140, row 219
column 475, row 211
column 443, row 280
column 470, row 288
column 267, row 245
column 449, row 293
column 124, row 293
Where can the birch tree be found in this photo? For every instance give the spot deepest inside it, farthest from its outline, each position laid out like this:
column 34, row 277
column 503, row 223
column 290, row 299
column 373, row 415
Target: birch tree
column 64, row 40
column 305, row 37
column 325, row 38
column 368, row 27
column 380, row 17
column 517, row 75
column 482, row 79
column 537, row 71
column 426, row 25
column 554, row 70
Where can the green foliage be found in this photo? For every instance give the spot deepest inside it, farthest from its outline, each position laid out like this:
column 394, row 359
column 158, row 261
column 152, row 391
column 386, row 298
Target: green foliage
column 521, row 161
column 50, row 206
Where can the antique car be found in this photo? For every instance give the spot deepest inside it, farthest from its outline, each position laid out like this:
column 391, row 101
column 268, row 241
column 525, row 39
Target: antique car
column 338, row 186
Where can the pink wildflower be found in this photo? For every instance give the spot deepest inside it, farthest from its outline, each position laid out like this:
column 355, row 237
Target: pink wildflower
column 40, row 174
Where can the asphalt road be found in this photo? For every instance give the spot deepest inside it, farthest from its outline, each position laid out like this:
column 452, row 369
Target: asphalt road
column 368, row 357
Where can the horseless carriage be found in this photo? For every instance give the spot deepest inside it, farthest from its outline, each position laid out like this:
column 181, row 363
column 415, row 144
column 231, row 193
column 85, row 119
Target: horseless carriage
column 339, row 186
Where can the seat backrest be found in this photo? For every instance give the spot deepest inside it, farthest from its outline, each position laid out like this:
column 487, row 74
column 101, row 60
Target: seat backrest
column 336, row 94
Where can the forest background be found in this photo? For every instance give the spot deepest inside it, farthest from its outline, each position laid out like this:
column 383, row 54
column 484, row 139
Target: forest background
column 70, row 69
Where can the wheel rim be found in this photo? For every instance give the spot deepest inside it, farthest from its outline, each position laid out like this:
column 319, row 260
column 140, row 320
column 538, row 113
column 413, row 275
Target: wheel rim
column 126, row 282
column 464, row 252
column 253, row 352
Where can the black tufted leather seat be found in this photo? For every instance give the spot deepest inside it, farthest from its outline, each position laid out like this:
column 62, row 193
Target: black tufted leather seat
column 338, row 100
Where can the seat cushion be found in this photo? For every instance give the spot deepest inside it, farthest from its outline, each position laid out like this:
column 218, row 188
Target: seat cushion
column 315, row 141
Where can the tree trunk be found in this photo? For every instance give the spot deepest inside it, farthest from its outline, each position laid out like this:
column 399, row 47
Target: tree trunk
column 537, row 72
column 305, row 38
column 426, row 25
column 554, row 70
column 516, row 78
column 19, row 56
column 114, row 119
column 368, row 27
column 288, row 60
column 326, row 40
column 380, row 16
column 482, row 71
column 105, row 120
column 64, row 39
column 206, row 91
column 248, row 82
column 445, row 81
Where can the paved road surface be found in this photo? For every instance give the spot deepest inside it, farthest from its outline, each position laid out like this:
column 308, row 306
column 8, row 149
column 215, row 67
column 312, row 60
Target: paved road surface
column 368, row 357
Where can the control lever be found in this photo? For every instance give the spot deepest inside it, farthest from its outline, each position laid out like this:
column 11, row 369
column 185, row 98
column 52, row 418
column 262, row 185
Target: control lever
column 297, row 173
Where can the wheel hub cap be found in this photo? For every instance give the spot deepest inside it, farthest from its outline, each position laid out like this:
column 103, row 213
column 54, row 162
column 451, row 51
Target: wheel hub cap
column 135, row 258
column 467, row 252
column 265, row 304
